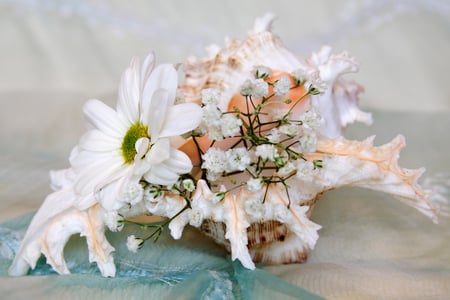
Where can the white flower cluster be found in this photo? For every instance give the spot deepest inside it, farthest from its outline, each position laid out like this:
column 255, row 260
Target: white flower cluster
column 310, row 77
column 279, row 147
column 217, row 161
column 217, row 124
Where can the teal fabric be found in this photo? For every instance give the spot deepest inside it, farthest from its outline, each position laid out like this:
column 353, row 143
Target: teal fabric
column 191, row 268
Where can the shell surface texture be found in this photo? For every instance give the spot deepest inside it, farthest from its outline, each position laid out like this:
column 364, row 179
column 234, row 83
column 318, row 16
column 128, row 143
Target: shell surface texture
column 268, row 143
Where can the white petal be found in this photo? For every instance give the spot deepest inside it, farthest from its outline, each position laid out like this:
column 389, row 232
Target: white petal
column 147, row 67
column 167, row 172
column 129, row 93
column 104, row 118
column 179, row 162
column 160, row 174
column 110, row 194
column 158, row 110
column 159, row 152
column 96, row 140
column 163, row 77
column 141, row 147
column 99, row 173
column 181, row 118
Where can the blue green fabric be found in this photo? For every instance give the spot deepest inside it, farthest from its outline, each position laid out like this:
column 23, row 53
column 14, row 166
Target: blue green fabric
column 191, row 268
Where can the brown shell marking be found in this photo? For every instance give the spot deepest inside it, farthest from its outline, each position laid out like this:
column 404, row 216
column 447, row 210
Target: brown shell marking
column 269, row 241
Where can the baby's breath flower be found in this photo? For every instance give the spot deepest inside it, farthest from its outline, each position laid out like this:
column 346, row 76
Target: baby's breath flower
column 311, row 119
column 254, row 207
column 316, row 82
column 255, row 184
column 195, row 218
column 289, row 129
column 281, row 213
column 213, row 176
column 210, row 96
column 267, row 152
column 134, row 243
column 238, row 159
column 152, row 194
column 255, row 87
column 211, row 114
column 262, row 72
column 305, row 170
column 299, row 76
column 133, row 193
column 215, row 132
column 274, row 135
column 214, row 160
column 217, row 197
column 189, row 185
column 288, row 168
column 282, row 86
column 308, row 142
column 230, row 125
column 278, row 113
column 114, row 221
column 211, row 122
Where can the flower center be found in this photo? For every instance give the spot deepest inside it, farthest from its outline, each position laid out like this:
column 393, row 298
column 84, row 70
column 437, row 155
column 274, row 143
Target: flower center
column 135, row 132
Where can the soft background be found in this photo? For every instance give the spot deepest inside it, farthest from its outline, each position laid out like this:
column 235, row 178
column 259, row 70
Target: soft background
column 54, row 55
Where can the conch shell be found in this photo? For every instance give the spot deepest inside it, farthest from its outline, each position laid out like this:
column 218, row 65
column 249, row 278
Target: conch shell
column 267, row 225
column 349, row 163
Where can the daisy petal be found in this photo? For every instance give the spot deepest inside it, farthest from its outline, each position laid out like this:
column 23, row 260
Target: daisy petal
column 98, row 173
column 179, row 162
column 159, row 152
column 102, row 117
column 167, row 172
column 147, row 67
column 141, row 147
column 129, row 93
column 158, row 110
column 163, row 77
column 160, row 174
column 109, row 196
column 180, row 119
column 95, row 140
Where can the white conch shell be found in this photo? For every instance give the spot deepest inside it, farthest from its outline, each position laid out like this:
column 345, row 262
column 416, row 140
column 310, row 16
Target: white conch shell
column 226, row 69
column 52, row 226
column 265, row 225
column 346, row 163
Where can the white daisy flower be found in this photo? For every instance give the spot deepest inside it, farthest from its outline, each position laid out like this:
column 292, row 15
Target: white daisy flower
column 132, row 141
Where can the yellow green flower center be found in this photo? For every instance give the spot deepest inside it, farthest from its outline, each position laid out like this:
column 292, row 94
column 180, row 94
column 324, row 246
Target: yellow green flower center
column 135, row 132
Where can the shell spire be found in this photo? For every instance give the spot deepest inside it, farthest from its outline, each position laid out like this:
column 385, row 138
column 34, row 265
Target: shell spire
column 263, row 24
